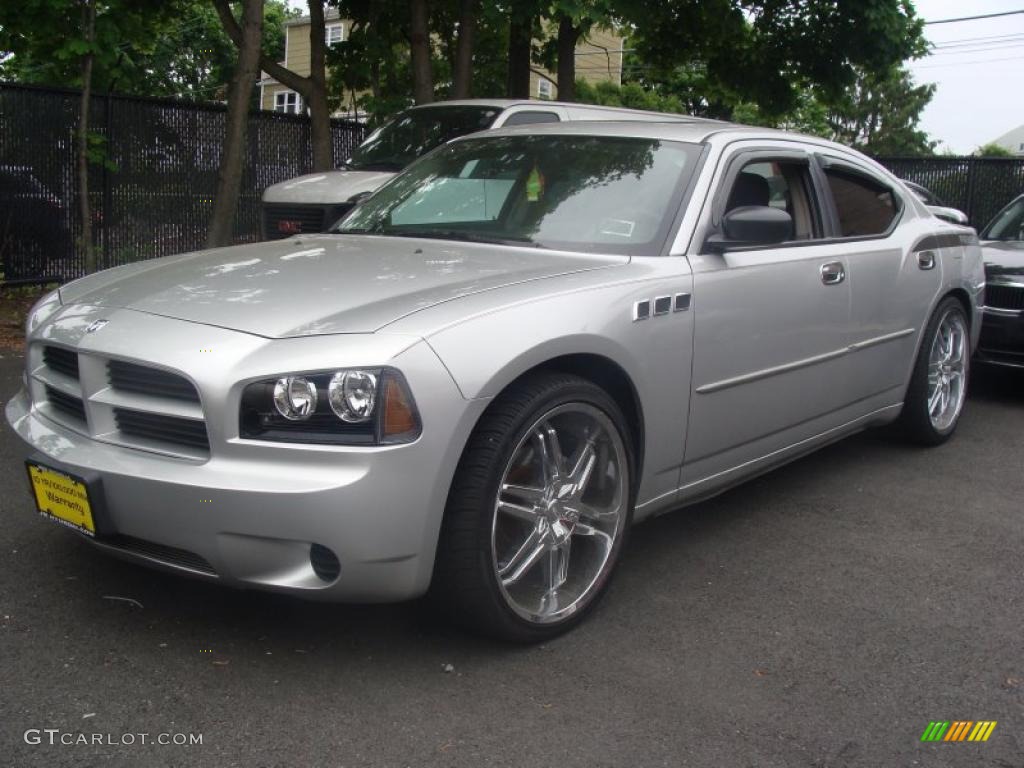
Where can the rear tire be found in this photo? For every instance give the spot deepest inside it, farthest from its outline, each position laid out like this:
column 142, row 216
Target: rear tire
column 938, row 385
column 538, row 510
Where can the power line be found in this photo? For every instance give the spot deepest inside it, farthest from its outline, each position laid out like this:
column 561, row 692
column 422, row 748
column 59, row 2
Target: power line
column 965, row 63
column 974, row 18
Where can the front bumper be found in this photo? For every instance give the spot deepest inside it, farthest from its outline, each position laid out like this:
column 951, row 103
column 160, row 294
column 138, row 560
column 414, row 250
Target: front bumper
column 1002, row 338
column 251, row 513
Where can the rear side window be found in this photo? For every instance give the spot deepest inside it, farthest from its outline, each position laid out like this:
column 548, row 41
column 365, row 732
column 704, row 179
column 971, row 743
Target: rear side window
column 531, row 118
column 865, row 207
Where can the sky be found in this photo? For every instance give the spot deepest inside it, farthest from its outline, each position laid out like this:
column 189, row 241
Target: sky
column 979, row 76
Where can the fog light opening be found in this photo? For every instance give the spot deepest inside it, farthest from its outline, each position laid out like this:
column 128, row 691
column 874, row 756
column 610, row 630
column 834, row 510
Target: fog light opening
column 325, row 563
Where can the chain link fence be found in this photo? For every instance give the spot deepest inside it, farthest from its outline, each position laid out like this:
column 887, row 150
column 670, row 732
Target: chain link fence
column 151, row 194
column 978, row 186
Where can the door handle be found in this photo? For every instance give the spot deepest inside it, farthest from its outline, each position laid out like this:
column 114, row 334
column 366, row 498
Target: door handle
column 926, row 259
column 833, row 273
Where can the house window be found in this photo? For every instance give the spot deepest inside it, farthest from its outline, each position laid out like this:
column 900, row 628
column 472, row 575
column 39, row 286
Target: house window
column 287, row 101
column 335, row 33
column 544, row 89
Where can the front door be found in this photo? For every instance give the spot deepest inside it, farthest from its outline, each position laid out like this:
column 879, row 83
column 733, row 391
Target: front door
column 772, row 327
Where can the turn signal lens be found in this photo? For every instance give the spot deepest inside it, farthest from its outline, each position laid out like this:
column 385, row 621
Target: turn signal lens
column 352, row 395
column 295, row 397
column 400, row 422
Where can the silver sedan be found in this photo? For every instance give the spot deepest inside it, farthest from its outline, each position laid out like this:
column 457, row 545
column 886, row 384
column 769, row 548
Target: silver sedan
column 518, row 347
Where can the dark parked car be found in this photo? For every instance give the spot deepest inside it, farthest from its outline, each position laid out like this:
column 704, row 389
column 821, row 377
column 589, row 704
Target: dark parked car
column 34, row 237
column 1002, row 334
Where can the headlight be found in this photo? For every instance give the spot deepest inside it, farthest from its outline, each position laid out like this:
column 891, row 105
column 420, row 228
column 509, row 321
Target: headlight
column 347, row 407
column 41, row 311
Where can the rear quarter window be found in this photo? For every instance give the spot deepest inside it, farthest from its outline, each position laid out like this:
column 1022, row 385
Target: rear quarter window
column 865, row 207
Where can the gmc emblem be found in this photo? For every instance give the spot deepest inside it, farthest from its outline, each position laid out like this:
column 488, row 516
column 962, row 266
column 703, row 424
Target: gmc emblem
column 289, row 227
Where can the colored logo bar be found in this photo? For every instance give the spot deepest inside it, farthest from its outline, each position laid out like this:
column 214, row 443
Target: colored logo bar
column 958, row 730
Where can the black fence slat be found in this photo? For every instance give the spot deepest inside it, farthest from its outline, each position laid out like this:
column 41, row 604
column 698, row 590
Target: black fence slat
column 978, row 186
column 153, row 195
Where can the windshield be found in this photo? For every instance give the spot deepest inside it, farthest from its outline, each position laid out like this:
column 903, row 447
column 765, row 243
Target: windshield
column 1008, row 223
column 414, row 133
column 606, row 194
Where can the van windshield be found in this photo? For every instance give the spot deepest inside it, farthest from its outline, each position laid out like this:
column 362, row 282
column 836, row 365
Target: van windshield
column 415, row 132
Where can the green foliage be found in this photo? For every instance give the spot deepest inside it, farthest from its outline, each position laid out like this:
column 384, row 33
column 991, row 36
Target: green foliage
column 630, row 95
column 993, row 150
column 143, row 47
column 879, row 113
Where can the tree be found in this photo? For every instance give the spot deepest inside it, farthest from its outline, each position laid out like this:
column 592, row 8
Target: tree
column 716, row 54
column 229, row 175
column 462, row 70
column 880, row 112
column 419, row 45
column 993, row 150
column 312, row 88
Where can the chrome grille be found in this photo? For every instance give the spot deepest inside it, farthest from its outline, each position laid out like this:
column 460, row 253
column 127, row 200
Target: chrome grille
column 65, row 404
column 61, row 360
column 162, row 428
column 1004, row 296
column 129, row 377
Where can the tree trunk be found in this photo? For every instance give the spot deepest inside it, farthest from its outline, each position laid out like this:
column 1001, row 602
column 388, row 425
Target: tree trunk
column 229, row 176
column 84, row 209
column 319, row 111
column 567, row 37
column 419, row 41
column 520, row 37
column 462, row 76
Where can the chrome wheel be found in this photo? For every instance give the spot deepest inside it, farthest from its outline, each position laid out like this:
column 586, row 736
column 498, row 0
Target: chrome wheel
column 947, row 371
column 560, row 511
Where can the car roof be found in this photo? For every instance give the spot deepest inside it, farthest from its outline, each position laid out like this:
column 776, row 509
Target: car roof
column 504, row 104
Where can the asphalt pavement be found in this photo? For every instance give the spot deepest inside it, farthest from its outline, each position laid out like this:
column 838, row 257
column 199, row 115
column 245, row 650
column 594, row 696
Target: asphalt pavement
column 821, row 615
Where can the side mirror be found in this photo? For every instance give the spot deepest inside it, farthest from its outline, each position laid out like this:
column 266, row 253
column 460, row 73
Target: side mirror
column 752, row 225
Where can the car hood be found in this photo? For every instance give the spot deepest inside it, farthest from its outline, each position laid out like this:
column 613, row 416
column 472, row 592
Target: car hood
column 1003, row 257
column 325, row 188
column 320, row 284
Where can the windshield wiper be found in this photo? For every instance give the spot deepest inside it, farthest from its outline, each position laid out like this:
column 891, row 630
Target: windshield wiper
column 459, row 234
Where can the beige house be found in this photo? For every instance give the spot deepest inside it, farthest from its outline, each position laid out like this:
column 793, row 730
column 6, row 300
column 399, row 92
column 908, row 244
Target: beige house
column 598, row 59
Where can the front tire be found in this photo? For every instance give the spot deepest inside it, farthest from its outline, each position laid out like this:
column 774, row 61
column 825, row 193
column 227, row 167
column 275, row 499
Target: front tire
column 538, row 510
column 938, row 385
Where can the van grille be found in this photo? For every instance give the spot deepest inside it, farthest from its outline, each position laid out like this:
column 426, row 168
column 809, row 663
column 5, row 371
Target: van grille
column 161, row 553
column 280, row 221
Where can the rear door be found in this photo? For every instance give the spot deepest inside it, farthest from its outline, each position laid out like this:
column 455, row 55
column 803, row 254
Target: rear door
column 894, row 269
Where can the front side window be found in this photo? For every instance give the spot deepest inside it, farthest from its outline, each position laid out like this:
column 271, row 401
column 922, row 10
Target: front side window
column 865, row 207
column 414, row 133
column 1008, row 223
column 779, row 183
column 287, row 101
column 605, row 194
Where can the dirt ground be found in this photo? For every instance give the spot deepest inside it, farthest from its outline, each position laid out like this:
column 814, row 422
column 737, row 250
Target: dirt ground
column 14, row 306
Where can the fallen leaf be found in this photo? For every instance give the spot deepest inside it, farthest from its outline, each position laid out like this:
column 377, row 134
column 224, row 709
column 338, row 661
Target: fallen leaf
column 760, row 672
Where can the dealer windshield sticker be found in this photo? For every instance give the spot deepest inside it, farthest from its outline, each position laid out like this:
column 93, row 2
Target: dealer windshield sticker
column 535, row 185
